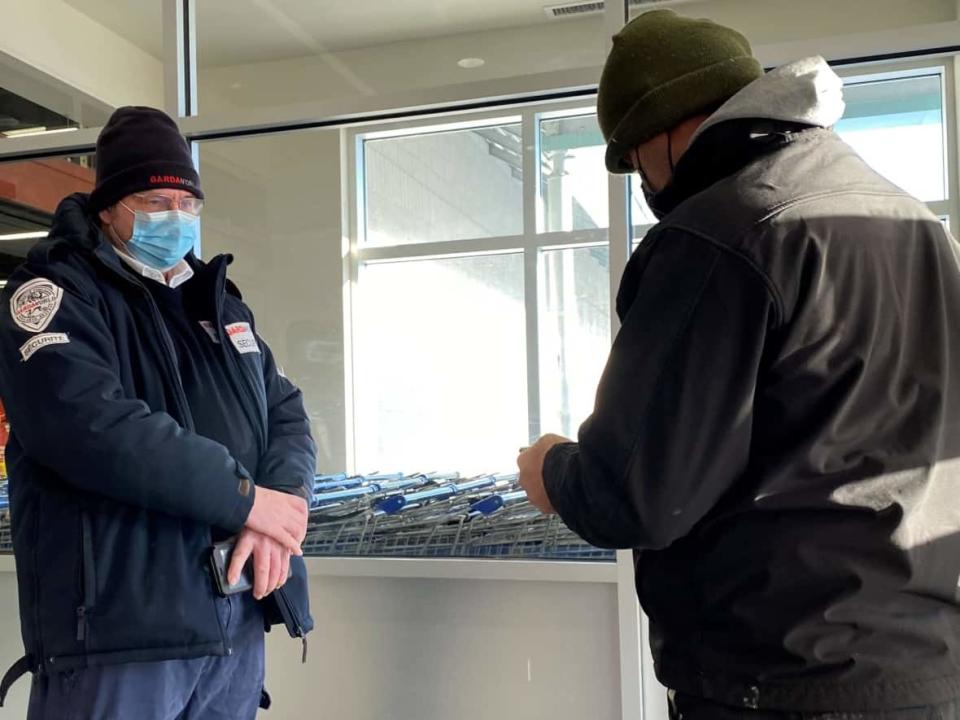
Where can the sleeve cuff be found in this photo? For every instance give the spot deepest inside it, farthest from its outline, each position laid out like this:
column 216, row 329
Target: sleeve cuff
column 555, row 472
column 243, row 503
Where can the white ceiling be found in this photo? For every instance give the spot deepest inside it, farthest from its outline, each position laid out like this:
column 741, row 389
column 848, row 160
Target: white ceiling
column 237, row 31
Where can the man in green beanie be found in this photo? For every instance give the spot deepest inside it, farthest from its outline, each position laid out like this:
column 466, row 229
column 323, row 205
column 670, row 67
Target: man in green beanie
column 777, row 432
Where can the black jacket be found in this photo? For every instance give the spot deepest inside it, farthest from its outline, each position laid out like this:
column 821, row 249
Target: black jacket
column 112, row 496
column 777, row 431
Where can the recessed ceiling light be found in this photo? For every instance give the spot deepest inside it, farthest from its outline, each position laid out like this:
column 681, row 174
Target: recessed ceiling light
column 470, row 63
column 39, row 130
column 24, row 235
column 236, row 86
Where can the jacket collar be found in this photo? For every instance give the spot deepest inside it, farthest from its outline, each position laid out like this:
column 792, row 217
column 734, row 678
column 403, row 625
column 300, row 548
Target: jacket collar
column 719, row 152
column 74, row 225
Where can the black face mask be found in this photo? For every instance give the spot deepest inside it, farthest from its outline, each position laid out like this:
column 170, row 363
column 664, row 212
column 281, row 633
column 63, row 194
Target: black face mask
column 649, row 194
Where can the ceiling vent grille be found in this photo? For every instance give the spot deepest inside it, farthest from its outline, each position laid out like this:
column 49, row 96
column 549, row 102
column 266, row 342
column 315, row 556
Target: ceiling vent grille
column 593, row 7
column 573, row 9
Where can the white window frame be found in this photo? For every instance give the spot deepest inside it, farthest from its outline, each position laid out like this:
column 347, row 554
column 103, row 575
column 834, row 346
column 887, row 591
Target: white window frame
column 946, row 67
column 530, row 242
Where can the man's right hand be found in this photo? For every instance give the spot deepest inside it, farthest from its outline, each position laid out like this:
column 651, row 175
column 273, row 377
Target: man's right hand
column 280, row 516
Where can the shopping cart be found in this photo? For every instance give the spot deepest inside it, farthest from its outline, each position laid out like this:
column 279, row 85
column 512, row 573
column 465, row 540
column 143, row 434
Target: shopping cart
column 422, row 515
column 443, row 516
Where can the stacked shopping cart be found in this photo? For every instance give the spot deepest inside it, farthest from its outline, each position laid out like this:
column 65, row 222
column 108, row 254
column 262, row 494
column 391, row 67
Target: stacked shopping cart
column 423, row 515
column 436, row 515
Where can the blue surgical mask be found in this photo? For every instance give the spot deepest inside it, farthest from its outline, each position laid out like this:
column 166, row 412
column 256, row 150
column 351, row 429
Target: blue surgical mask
column 162, row 239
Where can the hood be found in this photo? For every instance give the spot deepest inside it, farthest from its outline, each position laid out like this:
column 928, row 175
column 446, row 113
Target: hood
column 807, row 92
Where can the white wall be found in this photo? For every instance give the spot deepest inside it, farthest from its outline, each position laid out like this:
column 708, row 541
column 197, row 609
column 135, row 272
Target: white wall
column 780, row 30
column 778, row 21
column 402, row 649
column 398, row 67
column 68, row 46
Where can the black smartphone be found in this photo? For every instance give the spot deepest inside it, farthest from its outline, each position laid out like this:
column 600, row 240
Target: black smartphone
column 220, row 563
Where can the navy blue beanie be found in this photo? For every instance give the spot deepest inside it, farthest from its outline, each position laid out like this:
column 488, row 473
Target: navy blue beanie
column 139, row 149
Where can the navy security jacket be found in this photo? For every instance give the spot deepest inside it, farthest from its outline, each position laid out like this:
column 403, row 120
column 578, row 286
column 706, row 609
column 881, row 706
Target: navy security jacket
column 114, row 498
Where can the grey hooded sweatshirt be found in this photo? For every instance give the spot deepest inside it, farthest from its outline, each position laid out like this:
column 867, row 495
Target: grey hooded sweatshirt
column 777, row 431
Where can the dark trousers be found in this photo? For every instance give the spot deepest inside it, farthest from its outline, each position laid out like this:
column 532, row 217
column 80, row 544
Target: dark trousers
column 687, row 707
column 209, row 688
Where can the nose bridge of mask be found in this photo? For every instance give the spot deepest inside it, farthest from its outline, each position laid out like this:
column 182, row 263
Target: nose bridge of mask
column 158, row 219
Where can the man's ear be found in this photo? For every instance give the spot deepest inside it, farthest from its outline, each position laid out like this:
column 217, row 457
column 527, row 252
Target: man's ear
column 105, row 217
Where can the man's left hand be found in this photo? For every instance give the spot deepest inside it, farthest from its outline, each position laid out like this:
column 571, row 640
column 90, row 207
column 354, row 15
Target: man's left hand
column 530, row 463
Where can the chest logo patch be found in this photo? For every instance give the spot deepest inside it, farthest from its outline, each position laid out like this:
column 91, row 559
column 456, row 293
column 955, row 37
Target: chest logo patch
column 35, row 304
column 242, row 337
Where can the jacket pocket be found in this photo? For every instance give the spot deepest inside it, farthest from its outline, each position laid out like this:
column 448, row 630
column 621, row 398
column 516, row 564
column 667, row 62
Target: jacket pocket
column 290, row 604
column 291, row 618
column 88, row 577
column 288, row 613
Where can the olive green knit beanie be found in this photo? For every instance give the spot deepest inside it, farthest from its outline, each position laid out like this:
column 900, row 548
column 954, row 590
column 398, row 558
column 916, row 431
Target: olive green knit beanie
column 663, row 69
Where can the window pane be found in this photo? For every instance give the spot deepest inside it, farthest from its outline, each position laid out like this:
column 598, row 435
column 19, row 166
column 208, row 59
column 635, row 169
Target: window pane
column 574, row 334
column 440, row 373
column 897, row 127
column 641, row 217
column 21, row 117
column 573, row 179
column 444, row 186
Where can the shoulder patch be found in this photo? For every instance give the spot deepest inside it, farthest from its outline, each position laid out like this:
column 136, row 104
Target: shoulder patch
column 40, row 341
column 35, row 304
column 242, row 337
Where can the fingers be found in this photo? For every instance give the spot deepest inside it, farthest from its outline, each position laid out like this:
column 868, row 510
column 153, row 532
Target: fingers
column 261, row 569
column 289, row 541
column 283, row 535
column 284, row 570
column 241, row 552
column 276, row 567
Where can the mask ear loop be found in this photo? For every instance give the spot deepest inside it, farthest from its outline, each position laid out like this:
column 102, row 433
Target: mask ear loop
column 637, row 165
column 670, row 151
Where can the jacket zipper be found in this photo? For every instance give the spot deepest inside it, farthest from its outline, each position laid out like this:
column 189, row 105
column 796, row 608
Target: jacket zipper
column 88, row 577
column 181, row 399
